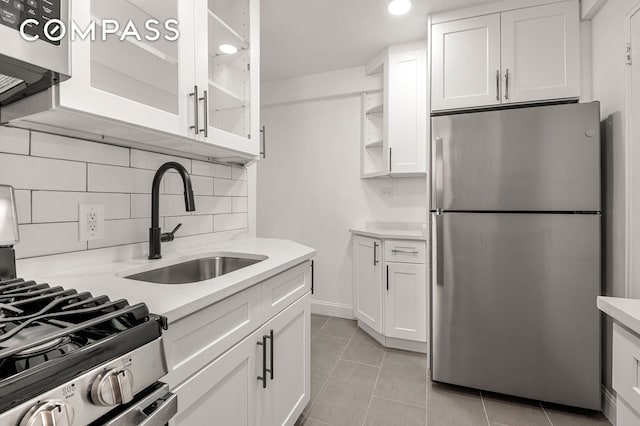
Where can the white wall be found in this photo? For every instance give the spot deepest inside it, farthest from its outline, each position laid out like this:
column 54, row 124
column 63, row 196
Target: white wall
column 310, row 191
column 608, row 88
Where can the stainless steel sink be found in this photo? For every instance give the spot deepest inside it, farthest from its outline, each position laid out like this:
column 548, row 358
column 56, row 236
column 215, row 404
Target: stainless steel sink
column 194, row 271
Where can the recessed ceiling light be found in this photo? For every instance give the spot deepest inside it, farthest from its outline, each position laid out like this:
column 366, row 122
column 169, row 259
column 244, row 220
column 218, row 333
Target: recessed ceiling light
column 229, row 49
column 399, row 7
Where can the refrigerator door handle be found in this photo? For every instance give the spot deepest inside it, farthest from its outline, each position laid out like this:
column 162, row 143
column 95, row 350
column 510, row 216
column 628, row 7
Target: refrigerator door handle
column 439, row 249
column 439, row 175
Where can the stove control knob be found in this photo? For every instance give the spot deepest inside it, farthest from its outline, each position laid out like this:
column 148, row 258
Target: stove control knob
column 49, row 413
column 113, row 387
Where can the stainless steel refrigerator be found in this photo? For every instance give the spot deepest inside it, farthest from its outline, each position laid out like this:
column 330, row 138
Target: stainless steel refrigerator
column 516, row 212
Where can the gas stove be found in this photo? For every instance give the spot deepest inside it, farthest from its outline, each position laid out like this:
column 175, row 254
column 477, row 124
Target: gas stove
column 69, row 358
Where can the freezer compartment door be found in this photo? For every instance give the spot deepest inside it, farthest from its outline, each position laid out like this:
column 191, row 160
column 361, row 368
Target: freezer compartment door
column 514, row 305
column 528, row 159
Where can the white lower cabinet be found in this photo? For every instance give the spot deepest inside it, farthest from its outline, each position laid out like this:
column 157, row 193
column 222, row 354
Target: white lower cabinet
column 626, row 380
column 288, row 385
column 224, row 392
column 263, row 380
column 405, row 302
column 367, row 279
column 393, row 308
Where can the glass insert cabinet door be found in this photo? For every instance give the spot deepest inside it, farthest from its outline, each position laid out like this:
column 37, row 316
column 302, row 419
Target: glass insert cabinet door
column 228, row 67
column 142, row 79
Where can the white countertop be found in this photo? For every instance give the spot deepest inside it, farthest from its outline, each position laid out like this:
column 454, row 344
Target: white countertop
column 179, row 300
column 624, row 311
column 392, row 230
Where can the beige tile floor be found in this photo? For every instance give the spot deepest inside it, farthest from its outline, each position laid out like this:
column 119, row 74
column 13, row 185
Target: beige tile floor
column 356, row 381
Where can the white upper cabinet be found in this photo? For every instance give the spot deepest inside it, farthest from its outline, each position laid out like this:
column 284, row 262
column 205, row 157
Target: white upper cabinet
column 395, row 127
column 523, row 55
column 143, row 83
column 170, row 86
column 466, row 63
column 540, row 52
column 229, row 82
column 407, row 123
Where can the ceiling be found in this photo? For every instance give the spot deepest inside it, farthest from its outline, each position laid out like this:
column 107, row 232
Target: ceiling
column 302, row 37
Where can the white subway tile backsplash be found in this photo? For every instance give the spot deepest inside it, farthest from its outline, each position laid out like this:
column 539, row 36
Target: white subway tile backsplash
column 191, row 225
column 240, row 204
column 213, row 205
column 14, row 141
column 121, row 232
column 238, row 173
column 23, row 206
column 53, row 175
column 201, row 185
column 50, row 238
column 229, row 222
column 50, row 206
column 230, row 188
column 170, row 205
column 211, row 169
column 119, row 179
column 52, row 146
column 24, row 172
column 153, row 161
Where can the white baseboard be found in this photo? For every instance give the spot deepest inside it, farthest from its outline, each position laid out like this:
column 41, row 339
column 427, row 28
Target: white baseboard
column 407, row 345
column 332, row 309
column 609, row 405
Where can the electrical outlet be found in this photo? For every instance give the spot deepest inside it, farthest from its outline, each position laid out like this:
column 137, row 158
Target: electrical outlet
column 91, row 222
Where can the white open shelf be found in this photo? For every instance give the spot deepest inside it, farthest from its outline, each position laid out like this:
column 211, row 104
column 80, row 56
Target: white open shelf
column 373, row 158
column 235, row 99
column 222, row 33
column 374, row 144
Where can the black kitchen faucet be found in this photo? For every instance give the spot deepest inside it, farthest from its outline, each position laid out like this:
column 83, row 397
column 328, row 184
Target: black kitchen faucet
column 156, row 237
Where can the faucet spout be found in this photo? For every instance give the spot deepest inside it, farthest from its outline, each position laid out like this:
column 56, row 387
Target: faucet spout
column 156, row 237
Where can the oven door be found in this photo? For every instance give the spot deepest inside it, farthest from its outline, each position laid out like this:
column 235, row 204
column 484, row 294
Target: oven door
column 153, row 407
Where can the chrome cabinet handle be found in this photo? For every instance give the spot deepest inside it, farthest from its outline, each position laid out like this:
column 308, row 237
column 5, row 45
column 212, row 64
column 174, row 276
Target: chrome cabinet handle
column 506, row 84
column 205, row 100
column 497, row 85
column 263, row 152
column 196, row 112
column 405, row 251
column 263, row 378
column 390, row 160
column 375, row 254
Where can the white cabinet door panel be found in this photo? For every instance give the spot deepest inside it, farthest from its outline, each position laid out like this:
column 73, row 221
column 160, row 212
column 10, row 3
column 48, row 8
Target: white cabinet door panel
column 224, row 392
column 407, row 123
column 289, row 391
column 141, row 83
column 541, row 52
column 367, row 278
column 406, row 302
column 466, row 63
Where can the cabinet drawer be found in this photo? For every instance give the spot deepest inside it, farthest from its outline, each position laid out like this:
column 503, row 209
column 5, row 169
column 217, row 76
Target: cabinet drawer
column 626, row 366
column 284, row 289
column 405, row 251
column 198, row 339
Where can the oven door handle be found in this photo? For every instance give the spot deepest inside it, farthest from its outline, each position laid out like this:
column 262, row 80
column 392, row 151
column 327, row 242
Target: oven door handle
column 161, row 414
column 156, row 408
